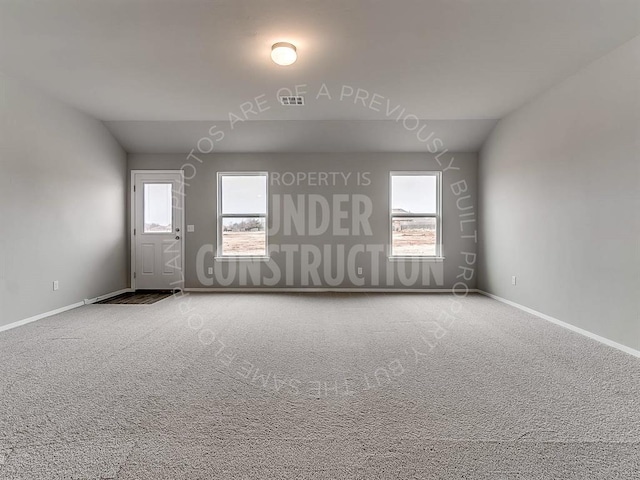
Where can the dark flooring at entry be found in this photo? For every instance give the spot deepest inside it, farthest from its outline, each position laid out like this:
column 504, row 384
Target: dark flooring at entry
column 142, row 297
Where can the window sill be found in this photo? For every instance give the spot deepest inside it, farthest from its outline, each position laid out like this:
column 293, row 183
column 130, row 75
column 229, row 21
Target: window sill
column 240, row 258
column 411, row 258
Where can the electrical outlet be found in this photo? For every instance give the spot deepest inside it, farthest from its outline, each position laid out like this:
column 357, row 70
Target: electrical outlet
column 210, row 270
column 56, row 285
column 359, row 270
column 513, row 280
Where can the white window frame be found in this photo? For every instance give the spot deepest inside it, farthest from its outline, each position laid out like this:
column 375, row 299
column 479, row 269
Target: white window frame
column 220, row 255
column 438, row 215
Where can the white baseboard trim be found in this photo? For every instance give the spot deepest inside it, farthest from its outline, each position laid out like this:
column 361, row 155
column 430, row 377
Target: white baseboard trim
column 566, row 325
column 89, row 301
column 321, row 290
column 66, row 308
column 24, row 321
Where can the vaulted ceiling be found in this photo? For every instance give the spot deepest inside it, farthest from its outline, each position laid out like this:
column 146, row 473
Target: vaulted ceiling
column 160, row 63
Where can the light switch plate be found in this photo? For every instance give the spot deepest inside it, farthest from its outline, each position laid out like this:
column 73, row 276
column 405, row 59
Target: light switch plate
column 191, row 228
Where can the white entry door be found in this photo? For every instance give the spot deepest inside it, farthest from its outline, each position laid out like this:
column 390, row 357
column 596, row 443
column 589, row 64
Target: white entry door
column 157, row 221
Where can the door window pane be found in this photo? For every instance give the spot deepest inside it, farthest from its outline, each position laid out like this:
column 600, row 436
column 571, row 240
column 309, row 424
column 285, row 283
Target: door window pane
column 157, row 208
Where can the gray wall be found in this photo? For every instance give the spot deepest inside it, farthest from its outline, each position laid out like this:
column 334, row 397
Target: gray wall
column 201, row 209
column 559, row 183
column 62, row 205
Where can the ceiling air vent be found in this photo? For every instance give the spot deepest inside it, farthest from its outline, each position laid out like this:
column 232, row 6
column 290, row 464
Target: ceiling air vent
column 291, row 100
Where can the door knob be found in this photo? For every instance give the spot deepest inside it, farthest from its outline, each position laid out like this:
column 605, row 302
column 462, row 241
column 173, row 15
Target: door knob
column 177, row 237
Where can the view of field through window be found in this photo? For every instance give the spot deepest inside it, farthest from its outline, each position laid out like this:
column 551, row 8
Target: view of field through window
column 244, row 236
column 157, row 208
column 243, row 213
column 414, row 236
column 414, row 204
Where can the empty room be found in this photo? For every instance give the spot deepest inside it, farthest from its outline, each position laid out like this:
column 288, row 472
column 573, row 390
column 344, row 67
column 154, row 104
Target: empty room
column 320, row 239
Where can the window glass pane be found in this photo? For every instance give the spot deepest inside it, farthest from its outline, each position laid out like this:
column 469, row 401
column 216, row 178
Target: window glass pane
column 413, row 236
column 413, row 193
column 244, row 236
column 244, row 194
column 157, row 208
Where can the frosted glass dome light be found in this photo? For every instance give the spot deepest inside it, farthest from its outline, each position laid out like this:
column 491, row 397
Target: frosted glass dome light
column 283, row 53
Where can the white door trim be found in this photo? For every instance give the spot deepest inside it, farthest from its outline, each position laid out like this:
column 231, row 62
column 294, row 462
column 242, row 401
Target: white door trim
column 132, row 223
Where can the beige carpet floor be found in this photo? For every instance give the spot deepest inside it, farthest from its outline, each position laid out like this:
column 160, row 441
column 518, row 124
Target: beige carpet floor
column 314, row 386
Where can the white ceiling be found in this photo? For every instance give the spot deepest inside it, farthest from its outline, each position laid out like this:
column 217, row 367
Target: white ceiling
column 187, row 60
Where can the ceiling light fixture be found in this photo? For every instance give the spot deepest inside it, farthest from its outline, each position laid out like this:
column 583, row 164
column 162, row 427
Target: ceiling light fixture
column 283, row 53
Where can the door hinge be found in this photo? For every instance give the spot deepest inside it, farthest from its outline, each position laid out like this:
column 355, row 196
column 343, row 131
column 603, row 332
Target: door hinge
column 134, row 188
column 134, row 231
column 134, row 274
